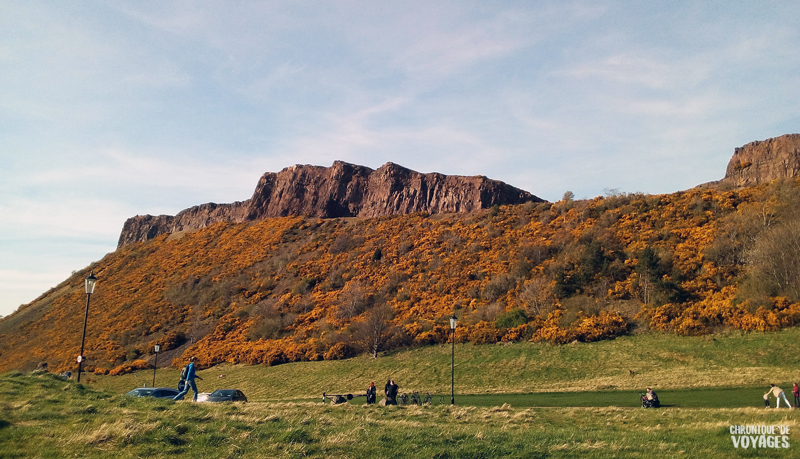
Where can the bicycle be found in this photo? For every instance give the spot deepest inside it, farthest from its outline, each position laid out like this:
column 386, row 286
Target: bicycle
column 415, row 398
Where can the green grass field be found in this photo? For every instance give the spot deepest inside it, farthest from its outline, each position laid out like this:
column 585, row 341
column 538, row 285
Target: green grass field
column 44, row 417
column 520, row 400
column 611, row 372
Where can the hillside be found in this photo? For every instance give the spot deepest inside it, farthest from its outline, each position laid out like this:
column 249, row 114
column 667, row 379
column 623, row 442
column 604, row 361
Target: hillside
column 292, row 288
column 287, row 289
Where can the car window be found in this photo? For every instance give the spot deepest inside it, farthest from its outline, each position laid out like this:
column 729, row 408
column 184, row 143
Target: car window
column 141, row 392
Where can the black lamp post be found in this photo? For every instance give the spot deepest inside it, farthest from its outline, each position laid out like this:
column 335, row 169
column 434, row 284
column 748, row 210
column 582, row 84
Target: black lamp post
column 453, row 323
column 156, row 349
column 91, row 282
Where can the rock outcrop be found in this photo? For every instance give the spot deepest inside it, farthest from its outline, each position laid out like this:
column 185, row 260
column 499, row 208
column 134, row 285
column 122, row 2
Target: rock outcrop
column 342, row 190
column 764, row 161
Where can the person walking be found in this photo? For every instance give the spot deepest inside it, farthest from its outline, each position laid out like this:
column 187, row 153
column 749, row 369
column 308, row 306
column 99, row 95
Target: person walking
column 778, row 393
column 796, row 393
column 190, row 377
column 372, row 393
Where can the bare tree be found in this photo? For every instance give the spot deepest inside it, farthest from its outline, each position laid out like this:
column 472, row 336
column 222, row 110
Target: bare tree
column 354, row 300
column 537, row 295
column 774, row 260
column 375, row 331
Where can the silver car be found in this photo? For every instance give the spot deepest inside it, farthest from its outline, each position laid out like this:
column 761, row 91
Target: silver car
column 222, row 395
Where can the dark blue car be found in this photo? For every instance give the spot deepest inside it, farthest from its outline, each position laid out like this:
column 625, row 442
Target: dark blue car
column 155, row 392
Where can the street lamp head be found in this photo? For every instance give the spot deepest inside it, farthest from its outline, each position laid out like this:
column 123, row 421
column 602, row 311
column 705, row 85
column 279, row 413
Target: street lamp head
column 453, row 322
column 91, row 282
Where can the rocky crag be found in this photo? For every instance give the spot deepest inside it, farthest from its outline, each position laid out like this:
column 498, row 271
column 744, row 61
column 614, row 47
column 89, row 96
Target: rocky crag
column 763, row 161
column 342, row 190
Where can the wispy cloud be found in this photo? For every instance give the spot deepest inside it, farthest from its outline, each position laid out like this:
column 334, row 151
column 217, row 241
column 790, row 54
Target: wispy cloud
column 112, row 109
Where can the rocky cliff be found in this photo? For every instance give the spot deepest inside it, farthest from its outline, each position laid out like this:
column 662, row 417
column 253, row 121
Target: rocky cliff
column 764, row 161
column 342, row 190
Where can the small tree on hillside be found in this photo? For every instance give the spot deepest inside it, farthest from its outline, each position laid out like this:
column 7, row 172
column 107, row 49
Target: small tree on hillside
column 375, row 331
column 774, row 261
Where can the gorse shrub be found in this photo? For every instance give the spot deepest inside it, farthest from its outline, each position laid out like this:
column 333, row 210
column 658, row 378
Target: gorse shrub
column 288, row 289
column 511, row 319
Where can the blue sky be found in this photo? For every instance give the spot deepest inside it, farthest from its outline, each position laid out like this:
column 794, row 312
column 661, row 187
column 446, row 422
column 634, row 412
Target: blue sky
column 113, row 109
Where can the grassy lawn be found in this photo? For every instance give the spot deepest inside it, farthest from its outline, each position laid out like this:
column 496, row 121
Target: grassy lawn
column 521, row 400
column 42, row 417
column 609, row 372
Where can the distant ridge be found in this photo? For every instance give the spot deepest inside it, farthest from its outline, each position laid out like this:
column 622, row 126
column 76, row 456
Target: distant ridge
column 342, row 190
column 763, row 161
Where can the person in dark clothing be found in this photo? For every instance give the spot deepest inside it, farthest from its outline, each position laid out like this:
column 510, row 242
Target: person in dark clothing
column 391, row 393
column 653, row 398
column 371, row 393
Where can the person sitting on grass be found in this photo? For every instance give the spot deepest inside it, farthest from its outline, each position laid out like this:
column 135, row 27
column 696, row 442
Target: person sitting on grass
column 653, row 397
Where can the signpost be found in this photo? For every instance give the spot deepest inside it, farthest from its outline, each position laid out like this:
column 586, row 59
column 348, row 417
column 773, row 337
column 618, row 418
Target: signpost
column 156, row 349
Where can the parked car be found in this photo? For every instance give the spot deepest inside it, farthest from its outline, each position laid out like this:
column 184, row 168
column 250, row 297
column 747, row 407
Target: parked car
column 155, row 392
column 222, row 395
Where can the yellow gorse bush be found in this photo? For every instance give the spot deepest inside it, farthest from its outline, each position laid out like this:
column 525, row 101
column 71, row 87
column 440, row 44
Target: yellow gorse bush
column 294, row 288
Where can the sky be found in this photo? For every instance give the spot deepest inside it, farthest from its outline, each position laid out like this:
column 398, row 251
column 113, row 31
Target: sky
column 111, row 109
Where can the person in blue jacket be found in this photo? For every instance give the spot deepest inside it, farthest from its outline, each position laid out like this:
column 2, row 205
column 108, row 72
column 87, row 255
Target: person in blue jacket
column 190, row 377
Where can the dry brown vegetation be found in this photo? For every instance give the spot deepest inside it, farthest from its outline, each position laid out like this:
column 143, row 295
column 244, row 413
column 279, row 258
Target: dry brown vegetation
column 293, row 288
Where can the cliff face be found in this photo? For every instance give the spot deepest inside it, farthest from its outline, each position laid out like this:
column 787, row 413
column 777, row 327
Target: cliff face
column 342, row 190
column 764, row 161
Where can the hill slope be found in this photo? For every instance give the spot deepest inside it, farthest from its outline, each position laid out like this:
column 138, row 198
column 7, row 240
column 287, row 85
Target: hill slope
column 292, row 288
column 284, row 289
